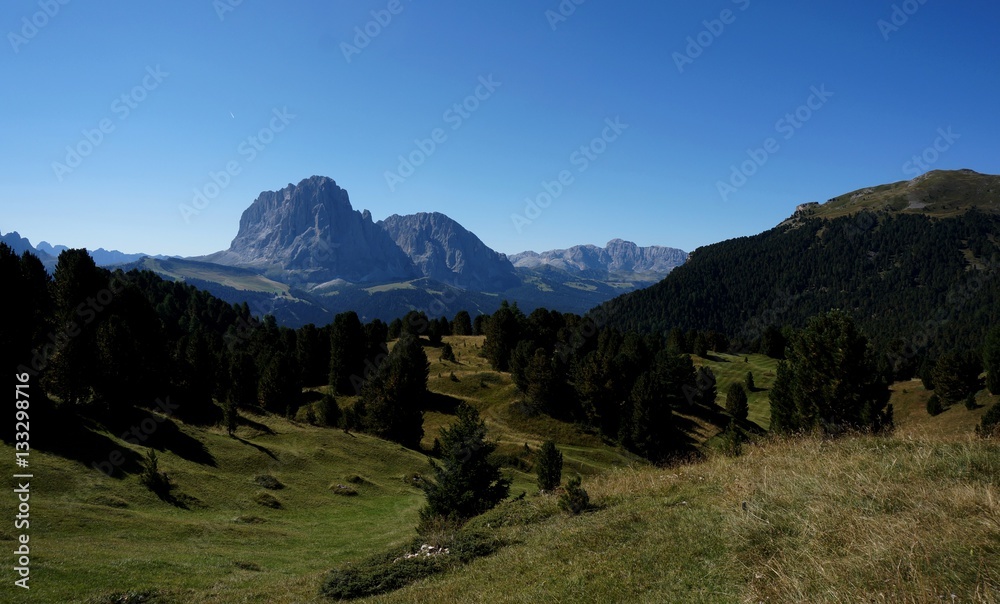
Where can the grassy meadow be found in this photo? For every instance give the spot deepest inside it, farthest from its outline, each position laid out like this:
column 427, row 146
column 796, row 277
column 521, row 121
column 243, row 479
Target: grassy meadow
column 910, row 518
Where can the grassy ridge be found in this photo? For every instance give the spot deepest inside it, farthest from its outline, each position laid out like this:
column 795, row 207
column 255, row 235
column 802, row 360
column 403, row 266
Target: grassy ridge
column 853, row 520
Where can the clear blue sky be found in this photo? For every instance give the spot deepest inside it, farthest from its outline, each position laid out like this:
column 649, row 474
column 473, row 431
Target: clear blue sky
column 656, row 183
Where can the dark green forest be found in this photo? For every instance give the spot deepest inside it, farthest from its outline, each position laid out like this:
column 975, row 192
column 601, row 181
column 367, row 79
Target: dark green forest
column 917, row 286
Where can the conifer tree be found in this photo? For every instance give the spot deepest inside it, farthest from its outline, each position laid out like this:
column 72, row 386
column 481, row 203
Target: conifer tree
column 736, row 402
column 831, row 380
column 391, row 401
column 466, row 482
column 549, row 466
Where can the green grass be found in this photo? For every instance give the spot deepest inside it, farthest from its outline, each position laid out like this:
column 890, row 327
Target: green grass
column 94, row 535
column 732, row 369
column 901, row 519
column 236, row 278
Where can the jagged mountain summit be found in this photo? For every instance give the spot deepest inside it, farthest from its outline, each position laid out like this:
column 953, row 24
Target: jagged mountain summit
column 303, row 253
column 444, row 250
column 618, row 256
column 312, row 232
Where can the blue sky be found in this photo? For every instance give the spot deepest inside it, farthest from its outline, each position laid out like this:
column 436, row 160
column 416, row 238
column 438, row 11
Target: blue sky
column 269, row 92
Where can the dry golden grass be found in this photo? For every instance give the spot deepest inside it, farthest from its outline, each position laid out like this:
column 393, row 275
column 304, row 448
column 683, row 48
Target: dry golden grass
column 857, row 519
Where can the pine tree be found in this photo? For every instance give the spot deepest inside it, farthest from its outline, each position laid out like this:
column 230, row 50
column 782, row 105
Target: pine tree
column 231, row 416
column 732, row 440
column 549, row 466
column 503, row 332
column 956, row 376
column 934, row 406
column 831, row 380
column 77, row 285
column 466, row 482
column 736, row 402
column 329, row 412
column 448, row 353
column 391, row 401
column 461, row 325
column 347, row 349
column 750, row 385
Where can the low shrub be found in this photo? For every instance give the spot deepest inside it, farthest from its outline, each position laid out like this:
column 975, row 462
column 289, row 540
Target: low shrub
column 575, row 499
column 934, row 406
column 393, row 569
column 989, row 426
column 268, row 482
column 267, row 500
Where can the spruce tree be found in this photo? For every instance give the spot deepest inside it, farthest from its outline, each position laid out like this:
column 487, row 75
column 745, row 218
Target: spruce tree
column 391, row 401
column 831, row 380
column 348, row 345
column 736, row 402
column 461, row 325
column 749, row 383
column 549, row 466
column 466, row 482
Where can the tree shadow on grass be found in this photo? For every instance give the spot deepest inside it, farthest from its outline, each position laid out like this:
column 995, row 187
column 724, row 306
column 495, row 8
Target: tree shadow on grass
column 441, row 403
column 142, row 427
column 249, row 423
column 260, row 448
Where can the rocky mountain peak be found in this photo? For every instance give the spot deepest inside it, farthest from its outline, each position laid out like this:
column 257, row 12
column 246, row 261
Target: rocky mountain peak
column 311, row 229
column 444, row 250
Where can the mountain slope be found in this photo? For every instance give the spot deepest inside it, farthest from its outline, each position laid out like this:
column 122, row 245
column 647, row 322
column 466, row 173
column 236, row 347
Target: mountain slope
column 903, row 275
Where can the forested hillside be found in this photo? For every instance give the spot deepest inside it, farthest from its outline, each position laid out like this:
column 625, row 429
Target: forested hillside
column 917, row 285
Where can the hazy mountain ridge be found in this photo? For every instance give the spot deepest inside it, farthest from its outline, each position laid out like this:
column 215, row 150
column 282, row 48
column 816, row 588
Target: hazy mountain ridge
column 618, row 256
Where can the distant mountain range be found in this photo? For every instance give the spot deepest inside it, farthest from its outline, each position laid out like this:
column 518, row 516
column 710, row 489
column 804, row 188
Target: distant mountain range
column 616, row 257
column 49, row 253
column 303, row 253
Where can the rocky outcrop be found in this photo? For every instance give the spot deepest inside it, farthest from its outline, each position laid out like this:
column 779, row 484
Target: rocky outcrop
column 445, row 251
